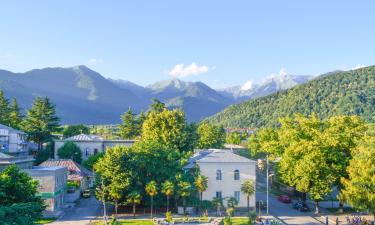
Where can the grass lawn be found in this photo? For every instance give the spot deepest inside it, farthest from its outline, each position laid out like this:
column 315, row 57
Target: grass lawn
column 131, row 222
column 45, row 220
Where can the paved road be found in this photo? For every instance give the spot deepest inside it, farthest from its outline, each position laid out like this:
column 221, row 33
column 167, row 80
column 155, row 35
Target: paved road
column 285, row 212
column 84, row 211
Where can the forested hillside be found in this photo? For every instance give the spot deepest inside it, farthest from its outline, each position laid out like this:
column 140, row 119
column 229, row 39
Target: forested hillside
column 339, row 93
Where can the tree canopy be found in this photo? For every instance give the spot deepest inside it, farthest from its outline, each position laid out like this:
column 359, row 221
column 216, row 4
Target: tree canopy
column 73, row 130
column 339, row 93
column 70, row 151
column 210, row 136
column 19, row 203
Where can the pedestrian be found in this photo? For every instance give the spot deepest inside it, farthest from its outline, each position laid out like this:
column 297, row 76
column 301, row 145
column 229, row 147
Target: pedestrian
column 347, row 220
column 337, row 221
column 326, row 220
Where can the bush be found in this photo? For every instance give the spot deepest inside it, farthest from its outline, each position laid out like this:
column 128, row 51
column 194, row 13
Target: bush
column 70, row 151
column 91, row 160
column 168, row 217
column 73, row 184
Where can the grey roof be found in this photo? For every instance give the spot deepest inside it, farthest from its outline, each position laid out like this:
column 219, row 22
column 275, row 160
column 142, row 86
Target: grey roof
column 2, row 126
column 216, row 156
column 85, row 137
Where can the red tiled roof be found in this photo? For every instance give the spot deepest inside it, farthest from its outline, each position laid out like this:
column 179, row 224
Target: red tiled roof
column 76, row 171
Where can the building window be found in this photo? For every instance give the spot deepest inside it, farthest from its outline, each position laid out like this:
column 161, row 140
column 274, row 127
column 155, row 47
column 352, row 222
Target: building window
column 236, row 175
column 86, row 151
column 219, row 195
column 218, row 175
column 237, row 196
column 95, row 151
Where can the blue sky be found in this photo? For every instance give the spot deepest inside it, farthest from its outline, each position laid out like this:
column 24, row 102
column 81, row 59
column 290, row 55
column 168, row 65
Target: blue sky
column 221, row 43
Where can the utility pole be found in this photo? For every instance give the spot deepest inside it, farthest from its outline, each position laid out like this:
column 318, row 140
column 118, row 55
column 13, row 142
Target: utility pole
column 105, row 209
column 267, row 183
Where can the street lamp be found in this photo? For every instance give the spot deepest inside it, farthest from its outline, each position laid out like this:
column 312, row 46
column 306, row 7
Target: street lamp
column 267, row 183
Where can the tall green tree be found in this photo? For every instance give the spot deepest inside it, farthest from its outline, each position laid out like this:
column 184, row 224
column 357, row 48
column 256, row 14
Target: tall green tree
column 133, row 199
column 168, row 128
column 359, row 187
column 235, row 138
column 70, row 151
column 41, row 121
column 152, row 191
column 15, row 115
column 157, row 106
column 201, row 183
column 116, row 173
column 129, row 129
column 210, row 136
column 184, row 189
column 19, row 203
column 167, row 190
column 73, row 130
column 248, row 189
column 4, row 109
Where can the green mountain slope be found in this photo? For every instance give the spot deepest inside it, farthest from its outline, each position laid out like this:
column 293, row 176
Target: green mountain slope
column 338, row 93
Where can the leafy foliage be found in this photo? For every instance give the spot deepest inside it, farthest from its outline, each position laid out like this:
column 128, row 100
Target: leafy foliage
column 4, row 109
column 91, row 160
column 248, row 188
column 210, row 136
column 131, row 125
column 41, row 121
column 72, row 130
column 70, row 151
column 15, row 115
column 340, row 93
column 359, row 187
column 18, row 201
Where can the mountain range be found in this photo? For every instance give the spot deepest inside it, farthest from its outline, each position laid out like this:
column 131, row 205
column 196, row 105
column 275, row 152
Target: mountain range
column 82, row 95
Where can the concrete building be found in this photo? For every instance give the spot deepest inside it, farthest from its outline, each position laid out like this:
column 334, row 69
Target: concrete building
column 91, row 144
column 52, row 185
column 12, row 141
column 226, row 172
column 76, row 172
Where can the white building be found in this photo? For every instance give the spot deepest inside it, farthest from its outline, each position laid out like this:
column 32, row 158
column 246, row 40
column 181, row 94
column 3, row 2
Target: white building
column 12, row 141
column 91, row 144
column 226, row 172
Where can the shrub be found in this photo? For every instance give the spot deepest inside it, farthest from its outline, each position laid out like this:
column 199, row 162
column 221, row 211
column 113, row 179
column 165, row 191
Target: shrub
column 70, row 151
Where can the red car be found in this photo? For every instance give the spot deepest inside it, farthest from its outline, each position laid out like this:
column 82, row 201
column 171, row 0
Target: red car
column 284, row 199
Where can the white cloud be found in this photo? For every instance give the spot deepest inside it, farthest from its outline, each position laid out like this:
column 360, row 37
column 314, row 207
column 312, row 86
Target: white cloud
column 247, row 85
column 283, row 72
column 181, row 71
column 94, row 61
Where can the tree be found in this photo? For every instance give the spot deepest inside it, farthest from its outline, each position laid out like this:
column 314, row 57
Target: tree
column 18, row 201
column 115, row 172
column 134, row 198
column 359, row 187
column 168, row 128
column 70, row 151
column 304, row 164
column 217, row 202
column 91, row 160
column 157, row 106
column 73, row 130
column 151, row 190
column 200, row 183
column 184, row 191
column 210, row 136
column 4, row 109
column 234, row 138
column 167, row 190
column 248, row 189
column 129, row 129
column 41, row 121
column 231, row 203
column 15, row 115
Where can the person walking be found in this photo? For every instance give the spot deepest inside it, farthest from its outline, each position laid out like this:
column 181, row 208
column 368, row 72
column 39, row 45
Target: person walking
column 337, row 221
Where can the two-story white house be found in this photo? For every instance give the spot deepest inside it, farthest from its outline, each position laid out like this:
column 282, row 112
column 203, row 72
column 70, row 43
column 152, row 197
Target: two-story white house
column 226, row 172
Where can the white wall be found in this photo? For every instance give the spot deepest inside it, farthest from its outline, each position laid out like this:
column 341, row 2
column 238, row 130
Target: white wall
column 228, row 185
column 84, row 145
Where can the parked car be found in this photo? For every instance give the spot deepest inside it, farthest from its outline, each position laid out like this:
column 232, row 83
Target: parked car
column 301, row 206
column 284, row 199
column 86, row 193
